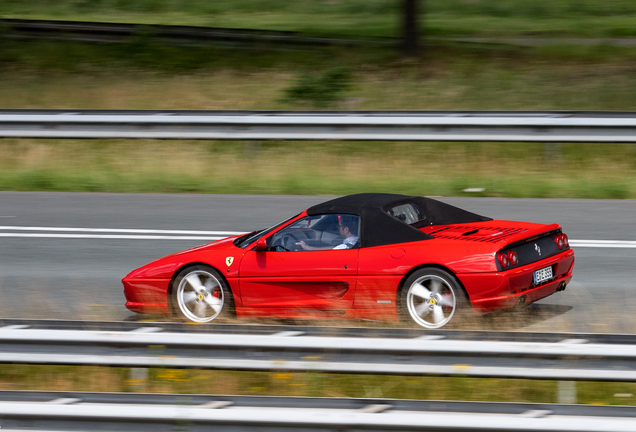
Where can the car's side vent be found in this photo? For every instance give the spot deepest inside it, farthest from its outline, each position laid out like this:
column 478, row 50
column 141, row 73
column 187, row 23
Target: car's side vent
column 439, row 230
column 470, row 232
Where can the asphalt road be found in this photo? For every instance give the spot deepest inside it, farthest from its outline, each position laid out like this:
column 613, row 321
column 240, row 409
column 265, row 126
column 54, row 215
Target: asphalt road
column 79, row 278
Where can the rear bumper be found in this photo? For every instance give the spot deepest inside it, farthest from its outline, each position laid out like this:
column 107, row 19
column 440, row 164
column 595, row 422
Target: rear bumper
column 147, row 295
column 504, row 289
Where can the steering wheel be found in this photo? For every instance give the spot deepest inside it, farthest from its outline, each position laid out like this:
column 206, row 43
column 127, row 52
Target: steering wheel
column 289, row 242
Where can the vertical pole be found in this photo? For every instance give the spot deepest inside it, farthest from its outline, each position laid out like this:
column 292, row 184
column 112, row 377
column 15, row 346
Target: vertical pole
column 566, row 392
column 138, row 379
column 410, row 27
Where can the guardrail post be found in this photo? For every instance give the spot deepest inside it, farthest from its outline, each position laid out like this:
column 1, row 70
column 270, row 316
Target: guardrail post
column 138, row 379
column 566, row 392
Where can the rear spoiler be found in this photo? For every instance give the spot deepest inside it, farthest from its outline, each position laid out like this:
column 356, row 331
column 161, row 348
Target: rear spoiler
column 530, row 235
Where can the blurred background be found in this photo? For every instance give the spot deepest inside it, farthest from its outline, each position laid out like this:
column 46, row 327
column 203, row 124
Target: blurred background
column 320, row 55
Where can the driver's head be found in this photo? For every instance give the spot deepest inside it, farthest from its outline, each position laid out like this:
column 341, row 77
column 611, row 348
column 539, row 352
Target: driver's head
column 348, row 225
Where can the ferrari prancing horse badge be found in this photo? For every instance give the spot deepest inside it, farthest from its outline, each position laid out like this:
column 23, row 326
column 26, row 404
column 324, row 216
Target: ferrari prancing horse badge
column 229, row 261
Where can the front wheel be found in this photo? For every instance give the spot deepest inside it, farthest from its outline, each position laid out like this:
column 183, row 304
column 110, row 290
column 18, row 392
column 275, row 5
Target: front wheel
column 200, row 294
column 431, row 298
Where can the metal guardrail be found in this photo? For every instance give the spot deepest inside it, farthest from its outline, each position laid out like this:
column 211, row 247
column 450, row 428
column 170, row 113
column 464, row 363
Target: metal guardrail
column 83, row 31
column 574, row 358
column 63, row 411
column 324, row 331
column 338, row 125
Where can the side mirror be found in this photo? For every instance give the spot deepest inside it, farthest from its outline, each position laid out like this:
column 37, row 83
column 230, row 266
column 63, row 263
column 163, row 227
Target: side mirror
column 261, row 244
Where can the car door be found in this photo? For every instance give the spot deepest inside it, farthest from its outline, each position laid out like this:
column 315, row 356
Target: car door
column 286, row 276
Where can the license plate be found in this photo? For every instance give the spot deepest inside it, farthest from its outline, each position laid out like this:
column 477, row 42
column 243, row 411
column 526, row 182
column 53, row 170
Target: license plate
column 542, row 275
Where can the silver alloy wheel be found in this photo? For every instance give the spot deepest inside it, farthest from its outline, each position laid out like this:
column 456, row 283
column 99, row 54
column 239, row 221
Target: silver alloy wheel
column 200, row 296
column 431, row 301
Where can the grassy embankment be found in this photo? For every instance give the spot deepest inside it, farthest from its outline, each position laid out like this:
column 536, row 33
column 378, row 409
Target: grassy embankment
column 315, row 384
column 142, row 76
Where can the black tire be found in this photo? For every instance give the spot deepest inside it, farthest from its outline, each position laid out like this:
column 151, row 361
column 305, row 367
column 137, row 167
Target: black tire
column 432, row 298
column 200, row 294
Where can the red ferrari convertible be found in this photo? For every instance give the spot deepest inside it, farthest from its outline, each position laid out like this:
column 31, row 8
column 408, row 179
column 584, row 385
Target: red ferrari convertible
column 366, row 256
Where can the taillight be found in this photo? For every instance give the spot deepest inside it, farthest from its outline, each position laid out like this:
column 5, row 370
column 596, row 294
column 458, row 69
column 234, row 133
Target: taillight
column 558, row 239
column 512, row 257
column 503, row 259
column 566, row 242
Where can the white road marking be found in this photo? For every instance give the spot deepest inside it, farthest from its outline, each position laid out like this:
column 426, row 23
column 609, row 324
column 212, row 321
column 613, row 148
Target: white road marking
column 110, row 236
column 151, row 234
column 603, row 243
column 119, row 230
column 117, row 233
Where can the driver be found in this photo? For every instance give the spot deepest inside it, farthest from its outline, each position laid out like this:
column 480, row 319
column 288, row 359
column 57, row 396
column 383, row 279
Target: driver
column 348, row 229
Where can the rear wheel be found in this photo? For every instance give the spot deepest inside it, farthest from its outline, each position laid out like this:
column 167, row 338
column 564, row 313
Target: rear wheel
column 431, row 298
column 200, row 294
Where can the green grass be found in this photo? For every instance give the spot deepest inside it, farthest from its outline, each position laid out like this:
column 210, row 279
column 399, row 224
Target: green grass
column 504, row 169
column 48, row 75
column 353, row 18
column 312, row 384
column 141, row 75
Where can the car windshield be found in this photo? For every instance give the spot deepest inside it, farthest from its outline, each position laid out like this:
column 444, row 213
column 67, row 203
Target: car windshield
column 248, row 239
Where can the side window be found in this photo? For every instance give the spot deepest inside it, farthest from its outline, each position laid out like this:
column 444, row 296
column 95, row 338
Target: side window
column 408, row 213
column 320, row 232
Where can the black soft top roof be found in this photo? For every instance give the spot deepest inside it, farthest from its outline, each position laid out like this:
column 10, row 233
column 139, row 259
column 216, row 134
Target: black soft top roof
column 378, row 228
